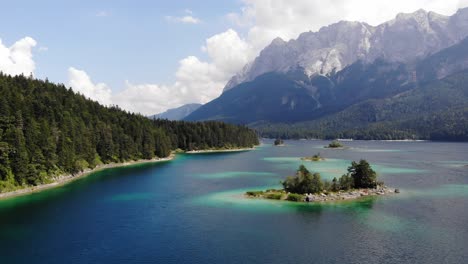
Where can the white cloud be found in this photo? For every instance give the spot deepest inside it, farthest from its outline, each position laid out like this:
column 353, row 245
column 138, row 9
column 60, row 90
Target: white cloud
column 81, row 83
column 184, row 19
column 18, row 58
column 196, row 80
column 43, row 48
column 228, row 51
column 140, row 98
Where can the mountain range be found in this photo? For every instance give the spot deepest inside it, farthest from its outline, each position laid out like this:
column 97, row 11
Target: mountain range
column 352, row 79
column 178, row 113
column 332, row 48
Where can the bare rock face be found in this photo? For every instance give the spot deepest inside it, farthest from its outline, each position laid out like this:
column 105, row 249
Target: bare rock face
column 403, row 39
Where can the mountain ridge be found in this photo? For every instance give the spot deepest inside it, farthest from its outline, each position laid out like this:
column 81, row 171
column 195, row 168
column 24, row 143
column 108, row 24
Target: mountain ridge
column 338, row 45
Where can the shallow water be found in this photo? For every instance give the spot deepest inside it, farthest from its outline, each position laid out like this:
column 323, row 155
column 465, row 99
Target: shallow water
column 192, row 210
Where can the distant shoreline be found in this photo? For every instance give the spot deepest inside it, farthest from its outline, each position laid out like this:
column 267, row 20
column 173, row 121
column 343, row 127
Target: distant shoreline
column 218, row 150
column 351, row 140
column 65, row 179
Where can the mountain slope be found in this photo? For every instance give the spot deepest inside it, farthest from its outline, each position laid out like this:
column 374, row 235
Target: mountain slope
column 280, row 97
column 178, row 113
column 404, row 39
column 438, row 110
column 444, row 63
column 293, row 97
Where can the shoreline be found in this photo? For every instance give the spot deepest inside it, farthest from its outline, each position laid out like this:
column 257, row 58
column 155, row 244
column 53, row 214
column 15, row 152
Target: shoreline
column 217, row 150
column 65, row 179
column 350, row 195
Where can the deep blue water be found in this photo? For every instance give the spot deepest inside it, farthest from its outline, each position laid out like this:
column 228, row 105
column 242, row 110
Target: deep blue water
column 191, row 210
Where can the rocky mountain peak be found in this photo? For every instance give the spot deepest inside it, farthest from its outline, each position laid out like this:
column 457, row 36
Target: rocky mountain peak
column 418, row 15
column 406, row 38
column 278, row 42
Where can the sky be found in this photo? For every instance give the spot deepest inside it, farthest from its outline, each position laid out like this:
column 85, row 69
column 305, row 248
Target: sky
column 149, row 56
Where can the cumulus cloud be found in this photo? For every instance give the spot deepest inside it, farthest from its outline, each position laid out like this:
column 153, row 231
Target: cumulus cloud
column 140, row 98
column 81, row 83
column 228, row 51
column 18, row 58
column 196, row 80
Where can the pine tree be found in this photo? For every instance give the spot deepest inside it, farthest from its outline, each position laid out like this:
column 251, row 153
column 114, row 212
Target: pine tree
column 363, row 175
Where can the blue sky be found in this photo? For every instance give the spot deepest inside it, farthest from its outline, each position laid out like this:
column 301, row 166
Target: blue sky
column 142, row 56
column 112, row 39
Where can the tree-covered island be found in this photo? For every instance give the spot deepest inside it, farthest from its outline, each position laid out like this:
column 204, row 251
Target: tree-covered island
column 316, row 157
column 335, row 144
column 361, row 180
column 278, row 142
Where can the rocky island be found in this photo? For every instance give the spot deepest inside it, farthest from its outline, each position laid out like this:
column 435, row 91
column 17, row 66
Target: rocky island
column 360, row 181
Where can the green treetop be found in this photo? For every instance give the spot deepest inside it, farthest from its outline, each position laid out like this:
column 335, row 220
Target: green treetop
column 363, row 175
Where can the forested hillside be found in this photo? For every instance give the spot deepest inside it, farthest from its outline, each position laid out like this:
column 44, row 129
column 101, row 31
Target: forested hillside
column 437, row 110
column 47, row 130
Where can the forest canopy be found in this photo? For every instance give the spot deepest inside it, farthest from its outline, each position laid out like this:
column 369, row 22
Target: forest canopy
column 47, row 130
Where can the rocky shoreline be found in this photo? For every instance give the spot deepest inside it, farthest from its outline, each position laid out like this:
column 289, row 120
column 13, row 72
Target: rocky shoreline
column 323, row 197
column 352, row 194
column 64, row 179
column 217, row 150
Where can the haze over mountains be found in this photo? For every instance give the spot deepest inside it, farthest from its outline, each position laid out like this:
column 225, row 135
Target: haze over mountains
column 348, row 69
column 177, row 113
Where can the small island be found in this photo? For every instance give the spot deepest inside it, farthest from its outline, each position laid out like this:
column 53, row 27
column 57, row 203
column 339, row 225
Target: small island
column 316, row 157
column 335, row 144
column 278, row 142
column 361, row 180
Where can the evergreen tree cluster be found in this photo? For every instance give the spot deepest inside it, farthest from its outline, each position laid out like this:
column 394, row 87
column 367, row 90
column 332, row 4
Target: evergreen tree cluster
column 360, row 175
column 278, row 142
column 47, row 130
column 206, row 135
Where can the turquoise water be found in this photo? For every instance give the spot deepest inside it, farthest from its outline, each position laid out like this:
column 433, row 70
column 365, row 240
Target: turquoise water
column 192, row 210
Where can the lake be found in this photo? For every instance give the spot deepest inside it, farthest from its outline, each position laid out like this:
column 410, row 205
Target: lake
column 192, row 210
